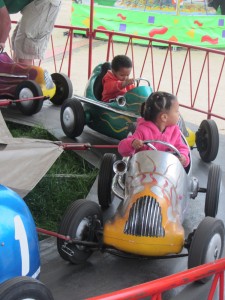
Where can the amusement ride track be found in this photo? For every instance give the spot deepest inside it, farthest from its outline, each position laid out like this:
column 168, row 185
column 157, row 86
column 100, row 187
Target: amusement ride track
column 104, row 272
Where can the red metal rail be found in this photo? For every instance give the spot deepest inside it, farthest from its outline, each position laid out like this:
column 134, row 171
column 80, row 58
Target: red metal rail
column 197, row 80
column 6, row 102
column 156, row 287
column 168, row 71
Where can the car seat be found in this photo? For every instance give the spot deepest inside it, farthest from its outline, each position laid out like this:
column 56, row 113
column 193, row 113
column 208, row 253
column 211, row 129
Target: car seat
column 98, row 87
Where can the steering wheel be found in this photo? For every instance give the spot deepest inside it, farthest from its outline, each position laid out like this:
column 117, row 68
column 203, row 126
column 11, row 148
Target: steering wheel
column 142, row 79
column 174, row 149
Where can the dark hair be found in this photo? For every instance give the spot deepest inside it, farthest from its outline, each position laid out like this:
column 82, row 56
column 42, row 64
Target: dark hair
column 121, row 61
column 156, row 103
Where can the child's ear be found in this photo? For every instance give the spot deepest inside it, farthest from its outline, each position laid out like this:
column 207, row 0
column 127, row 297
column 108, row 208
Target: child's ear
column 164, row 117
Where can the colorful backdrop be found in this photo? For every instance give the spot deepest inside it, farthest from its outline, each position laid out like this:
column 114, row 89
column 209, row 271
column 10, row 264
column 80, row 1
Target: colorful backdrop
column 193, row 22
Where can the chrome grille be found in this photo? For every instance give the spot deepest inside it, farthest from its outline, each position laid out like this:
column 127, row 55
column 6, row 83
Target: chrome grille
column 145, row 218
column 48, row 80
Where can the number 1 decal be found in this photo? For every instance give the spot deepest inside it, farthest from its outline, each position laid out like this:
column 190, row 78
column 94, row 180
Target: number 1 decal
column 21, row 236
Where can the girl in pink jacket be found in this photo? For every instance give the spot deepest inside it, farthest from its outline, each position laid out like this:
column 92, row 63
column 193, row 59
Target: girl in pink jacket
column 159, row 122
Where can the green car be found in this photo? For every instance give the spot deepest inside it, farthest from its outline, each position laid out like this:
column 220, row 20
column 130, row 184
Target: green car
column 111, row 119
column 116, row 119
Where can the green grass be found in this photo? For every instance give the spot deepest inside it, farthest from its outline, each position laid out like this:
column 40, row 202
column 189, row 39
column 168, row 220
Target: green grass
column 70, row 178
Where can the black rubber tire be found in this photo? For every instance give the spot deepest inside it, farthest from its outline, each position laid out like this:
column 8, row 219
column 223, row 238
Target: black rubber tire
column 29, row 107
column 209, row 230
column 72, row 118
column 64, row 88
column 105, row 177
column 207, row 140
column 78, row 211
column 213, row 191
column 19, row 288
column 63, row 227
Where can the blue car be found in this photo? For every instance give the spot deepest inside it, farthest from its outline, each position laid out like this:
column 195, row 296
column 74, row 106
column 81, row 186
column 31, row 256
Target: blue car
column 19, row 251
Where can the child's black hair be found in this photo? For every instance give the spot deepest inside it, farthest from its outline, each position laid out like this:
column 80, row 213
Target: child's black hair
column 121, row 61
column 156, row 103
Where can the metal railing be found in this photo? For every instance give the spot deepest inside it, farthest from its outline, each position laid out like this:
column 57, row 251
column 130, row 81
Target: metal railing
column 194, row 74
column 155, row 288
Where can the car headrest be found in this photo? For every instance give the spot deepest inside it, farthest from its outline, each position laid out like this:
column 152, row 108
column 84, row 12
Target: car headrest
column 98, row 87
column 5, row 58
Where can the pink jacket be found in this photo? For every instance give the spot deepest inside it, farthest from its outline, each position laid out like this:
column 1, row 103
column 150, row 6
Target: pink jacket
column 112, row 87
column 147, row 130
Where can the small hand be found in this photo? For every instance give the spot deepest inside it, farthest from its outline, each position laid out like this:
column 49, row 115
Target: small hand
column 137, row 144
column 2, row 47
column 182, row 159
column 128, row 82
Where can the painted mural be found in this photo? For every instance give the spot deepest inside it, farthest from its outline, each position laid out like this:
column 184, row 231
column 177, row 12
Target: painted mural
column 185, row 21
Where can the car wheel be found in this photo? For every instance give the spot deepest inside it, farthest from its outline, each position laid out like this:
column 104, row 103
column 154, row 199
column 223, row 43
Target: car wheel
column 105, row 177
column 213, row 191
column 80, row 221
column 63, row 228
column 24, row 288
column 72, row 118
column 64, row 88
column 207, row 244
column 207, row 140
column 29, row 89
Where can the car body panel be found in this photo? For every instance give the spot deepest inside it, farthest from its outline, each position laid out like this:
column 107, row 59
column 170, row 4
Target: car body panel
column 19, row 247
column 110, row 123
column 159, row 180
column 13, row 73
column 191, row 138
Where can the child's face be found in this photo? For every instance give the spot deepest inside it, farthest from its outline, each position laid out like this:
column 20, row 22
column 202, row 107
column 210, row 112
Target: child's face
column 173, row 114
column 122, row 74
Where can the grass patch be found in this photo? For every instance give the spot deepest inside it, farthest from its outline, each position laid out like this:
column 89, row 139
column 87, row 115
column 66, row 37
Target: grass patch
column 70, row 178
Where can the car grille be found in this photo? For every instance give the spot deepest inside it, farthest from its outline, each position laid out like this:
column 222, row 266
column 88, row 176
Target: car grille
column 145, row 218
column 48, row 80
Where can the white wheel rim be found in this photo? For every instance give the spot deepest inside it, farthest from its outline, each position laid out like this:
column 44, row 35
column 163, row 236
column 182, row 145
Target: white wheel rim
column 80, row 229
column 213, row 249
column 26, row 93
column 68, row 118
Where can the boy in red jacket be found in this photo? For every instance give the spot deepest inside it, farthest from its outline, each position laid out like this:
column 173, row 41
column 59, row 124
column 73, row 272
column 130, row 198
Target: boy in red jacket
column 116, row 82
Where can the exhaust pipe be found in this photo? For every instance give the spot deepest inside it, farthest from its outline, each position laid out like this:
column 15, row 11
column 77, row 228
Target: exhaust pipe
column 120, row 100
column 120, row 167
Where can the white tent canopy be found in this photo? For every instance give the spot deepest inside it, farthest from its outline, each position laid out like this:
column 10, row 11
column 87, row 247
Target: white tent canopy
column 23, row 161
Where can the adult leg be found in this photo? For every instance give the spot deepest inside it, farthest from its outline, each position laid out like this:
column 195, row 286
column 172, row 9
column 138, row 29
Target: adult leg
column 34, row 30
column 215, row 4
column 222, row 7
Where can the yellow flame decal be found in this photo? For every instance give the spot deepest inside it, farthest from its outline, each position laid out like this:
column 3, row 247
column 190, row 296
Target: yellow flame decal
column 114, row 118
column 136, row 103
column 138, row 96
column 119, row 117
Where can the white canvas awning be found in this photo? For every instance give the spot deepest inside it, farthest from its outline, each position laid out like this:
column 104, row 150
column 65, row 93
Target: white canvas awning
column 23, row 161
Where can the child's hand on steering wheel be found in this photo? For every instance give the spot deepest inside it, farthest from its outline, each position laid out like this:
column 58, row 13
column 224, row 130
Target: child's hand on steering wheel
column 128, row 82
column 137, row 144
column 182, row 159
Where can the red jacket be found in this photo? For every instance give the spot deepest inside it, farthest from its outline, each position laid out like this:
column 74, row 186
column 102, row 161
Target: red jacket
column 112, row 87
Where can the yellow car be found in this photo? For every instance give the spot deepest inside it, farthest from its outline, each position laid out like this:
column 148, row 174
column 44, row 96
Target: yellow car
column 155, row 190
column 21, row 82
